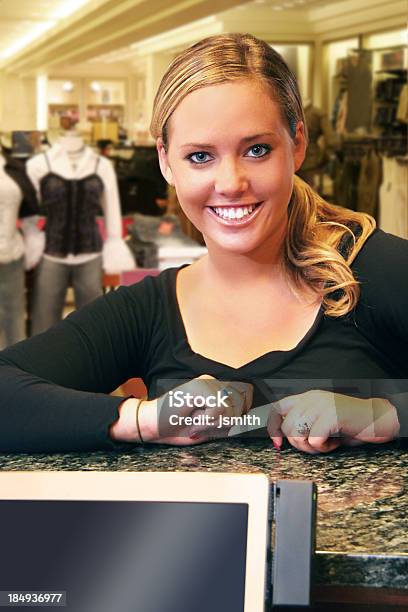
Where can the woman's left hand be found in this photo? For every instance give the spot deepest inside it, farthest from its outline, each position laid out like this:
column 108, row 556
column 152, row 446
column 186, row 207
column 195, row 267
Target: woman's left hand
column 319, row 421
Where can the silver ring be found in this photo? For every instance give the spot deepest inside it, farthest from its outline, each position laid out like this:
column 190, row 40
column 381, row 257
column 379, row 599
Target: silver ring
column 303, row 429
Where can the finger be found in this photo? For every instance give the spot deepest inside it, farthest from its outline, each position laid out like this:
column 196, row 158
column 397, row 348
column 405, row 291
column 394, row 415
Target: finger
column 195, row 435
column 285, row 404
column 249, row 396
column 181, row 440
column 245, row 392
column 183, row 399
column 273, row 427
column 237, row 399
column 324, row 445
column 294, row 419
column 222, row 401
column 320, row 432
column 302, row 444
column 350, row 441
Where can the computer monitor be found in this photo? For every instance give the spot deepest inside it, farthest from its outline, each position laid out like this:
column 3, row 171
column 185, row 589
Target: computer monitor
column 134, row 541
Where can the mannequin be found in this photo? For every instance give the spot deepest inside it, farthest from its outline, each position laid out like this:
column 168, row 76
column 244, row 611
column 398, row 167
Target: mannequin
column 74, row 185
column 321, row 137
column 17, row 251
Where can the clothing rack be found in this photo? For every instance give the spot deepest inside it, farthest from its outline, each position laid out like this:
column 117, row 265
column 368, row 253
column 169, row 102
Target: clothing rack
column 391, row 146
column 355, row 149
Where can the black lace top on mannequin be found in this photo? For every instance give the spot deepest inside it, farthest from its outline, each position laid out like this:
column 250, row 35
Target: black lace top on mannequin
column 71, row 206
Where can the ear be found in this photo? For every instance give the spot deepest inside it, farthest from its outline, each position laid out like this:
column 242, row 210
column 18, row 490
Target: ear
column 163, row 161
column 299, row 145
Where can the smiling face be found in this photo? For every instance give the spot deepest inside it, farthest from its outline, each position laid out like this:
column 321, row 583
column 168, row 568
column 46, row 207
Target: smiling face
column 232, row 160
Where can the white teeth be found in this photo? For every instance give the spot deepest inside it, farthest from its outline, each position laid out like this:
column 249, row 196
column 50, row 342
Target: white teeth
column 234, row 213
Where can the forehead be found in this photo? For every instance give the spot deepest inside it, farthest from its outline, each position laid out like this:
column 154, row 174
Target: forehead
column 241, row 105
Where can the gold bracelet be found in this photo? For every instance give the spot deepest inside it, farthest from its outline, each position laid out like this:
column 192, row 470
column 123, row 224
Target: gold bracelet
column 137, row 421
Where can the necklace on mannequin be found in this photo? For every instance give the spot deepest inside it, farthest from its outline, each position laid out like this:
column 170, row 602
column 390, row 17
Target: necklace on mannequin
column 73, row 145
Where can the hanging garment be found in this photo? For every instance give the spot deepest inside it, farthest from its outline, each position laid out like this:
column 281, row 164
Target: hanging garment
column 11, row 241
column 12, row 302
column 368, row 186
column 401, row 196
column 16, row 171
column 336, row 167
column 342, row 113
column 402, row 111
column 317, row 126
column 17, row 198
column 359, row 78
column 393, row 216
column 351, row 173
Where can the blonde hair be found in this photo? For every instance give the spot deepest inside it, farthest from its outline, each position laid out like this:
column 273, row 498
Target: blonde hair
column 318, row 232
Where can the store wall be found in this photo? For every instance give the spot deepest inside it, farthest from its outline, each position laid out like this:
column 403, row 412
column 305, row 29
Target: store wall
column 17, row 103
column 338, row 20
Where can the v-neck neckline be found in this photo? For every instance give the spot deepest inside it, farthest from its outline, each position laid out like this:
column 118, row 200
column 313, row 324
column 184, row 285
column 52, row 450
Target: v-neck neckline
column 275, row 358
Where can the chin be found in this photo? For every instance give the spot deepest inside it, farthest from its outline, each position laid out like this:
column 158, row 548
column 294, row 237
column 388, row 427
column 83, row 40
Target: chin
column 234, row 248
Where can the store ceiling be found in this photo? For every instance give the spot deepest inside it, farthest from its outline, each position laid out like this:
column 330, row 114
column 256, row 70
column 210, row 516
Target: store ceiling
column 23, row 21
column 98, row 25
column 36, row 35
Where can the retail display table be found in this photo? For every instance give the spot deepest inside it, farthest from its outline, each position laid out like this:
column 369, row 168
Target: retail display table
column 362, row 524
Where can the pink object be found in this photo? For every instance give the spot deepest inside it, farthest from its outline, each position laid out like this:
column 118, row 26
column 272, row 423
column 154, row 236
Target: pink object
column 102, row 228
column 136, row 275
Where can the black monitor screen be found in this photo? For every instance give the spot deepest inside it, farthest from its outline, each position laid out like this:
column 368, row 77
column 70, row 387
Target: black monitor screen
column 124, row 556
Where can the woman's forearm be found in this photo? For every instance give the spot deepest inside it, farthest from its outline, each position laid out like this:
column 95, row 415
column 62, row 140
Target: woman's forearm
column 134, row 419
column 39, row 416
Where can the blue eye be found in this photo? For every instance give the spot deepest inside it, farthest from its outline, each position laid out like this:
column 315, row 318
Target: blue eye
column 199, row 160
column 201, row 157
column 266, row 147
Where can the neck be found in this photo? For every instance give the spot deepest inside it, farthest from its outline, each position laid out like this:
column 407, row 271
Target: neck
column 71, row 143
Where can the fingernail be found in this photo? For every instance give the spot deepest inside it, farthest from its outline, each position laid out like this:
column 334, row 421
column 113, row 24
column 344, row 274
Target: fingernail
column 195, row 435
column 276, row 445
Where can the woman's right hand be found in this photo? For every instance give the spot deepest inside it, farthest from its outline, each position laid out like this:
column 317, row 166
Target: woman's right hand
column 165, row 420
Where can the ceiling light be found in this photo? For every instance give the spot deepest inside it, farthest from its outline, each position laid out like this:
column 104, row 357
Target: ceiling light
column 22, row 42
column 67, row 8
column 49, row 21
column 68, row 86
column 95, row 86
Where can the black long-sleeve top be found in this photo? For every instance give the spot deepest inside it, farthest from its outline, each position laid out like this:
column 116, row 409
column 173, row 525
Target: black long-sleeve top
column 54, row 387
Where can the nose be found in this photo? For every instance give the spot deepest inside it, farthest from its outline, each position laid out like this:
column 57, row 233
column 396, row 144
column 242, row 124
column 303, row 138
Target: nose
column 231, row 179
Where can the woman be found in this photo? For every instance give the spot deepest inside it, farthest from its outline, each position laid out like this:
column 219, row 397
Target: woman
column 274, row 306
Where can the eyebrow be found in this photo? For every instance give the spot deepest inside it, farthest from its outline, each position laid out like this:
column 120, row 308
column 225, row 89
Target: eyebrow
column 209, row 146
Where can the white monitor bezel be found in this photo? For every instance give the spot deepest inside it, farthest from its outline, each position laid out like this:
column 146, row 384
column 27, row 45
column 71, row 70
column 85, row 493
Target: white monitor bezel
column 212, row 487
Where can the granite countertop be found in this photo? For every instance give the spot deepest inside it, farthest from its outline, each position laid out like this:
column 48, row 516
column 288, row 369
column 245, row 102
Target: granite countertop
column 362, row 515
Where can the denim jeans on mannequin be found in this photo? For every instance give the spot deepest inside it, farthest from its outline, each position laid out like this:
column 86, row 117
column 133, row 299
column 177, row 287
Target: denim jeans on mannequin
column 12, row 302
column 50, row 287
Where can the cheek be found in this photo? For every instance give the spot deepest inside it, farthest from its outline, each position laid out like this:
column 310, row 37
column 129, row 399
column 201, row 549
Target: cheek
column 277, row 177
column 192, row 187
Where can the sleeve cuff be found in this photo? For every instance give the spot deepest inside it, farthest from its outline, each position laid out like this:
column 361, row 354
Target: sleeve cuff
column 117, row 257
